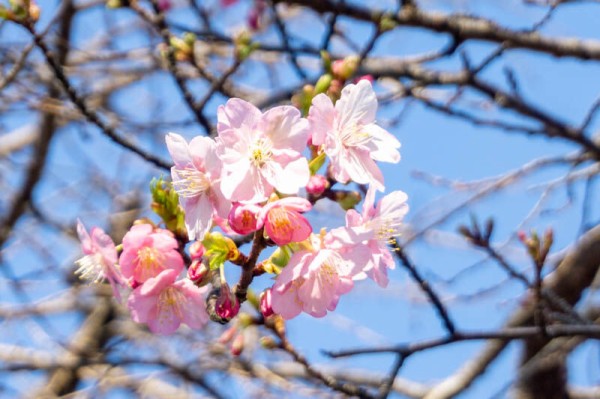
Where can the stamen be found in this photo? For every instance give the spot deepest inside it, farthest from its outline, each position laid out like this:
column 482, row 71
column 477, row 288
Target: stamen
column 91, row 268
column 190, row 183
column 150, row 261
column 260, row 152
column 354, row 135
column 170, row 301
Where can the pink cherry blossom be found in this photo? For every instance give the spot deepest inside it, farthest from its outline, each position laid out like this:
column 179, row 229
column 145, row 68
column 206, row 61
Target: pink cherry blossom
column 283, row 222
column 196, row 177
column 243, row 218
column 373, row 230
column 313, row 281
column 350, row 136
column 261, row 152
column 147, row 252
column 100, row 258
column 163, row 303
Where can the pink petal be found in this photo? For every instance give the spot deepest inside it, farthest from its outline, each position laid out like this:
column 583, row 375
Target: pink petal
column 153, row 286
column 200, row 149
column 286, row 304
column 358, row 104
column 393, row 205
column 198, row 217
column 141, row 306
column 178, row 148
column 301, row 227
column 236, row 119
column 136, row 236
column 84, row 238
column 321, row 117
column 294, row 176
column 285, row 128
column 194, row 308
column 368, row 208
column 383, row 146
column 105, row 245
column 164, row 321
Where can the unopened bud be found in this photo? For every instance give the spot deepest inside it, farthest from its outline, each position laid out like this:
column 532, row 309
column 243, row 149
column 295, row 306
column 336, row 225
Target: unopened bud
column 198, row 272
column 268, row 342
column 227, row 306
column 344, row 69
column 265, row 303
column 164, row 5
column 34, row 11
column 237, row 346
column 196, row 250
column 227, row 335
column 243, row 219
column 317, row 185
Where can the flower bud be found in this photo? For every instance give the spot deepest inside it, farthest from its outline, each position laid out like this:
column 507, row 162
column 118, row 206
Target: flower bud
column 227, row 306
column 243, row 218
column 196, row 250
column 198, row 272
column 317, row 185
column 227, row 335
column 265, row 303
column 344, row 69
column 365, row 77
column 164, row 5
column 268, row 342
column 237, row 346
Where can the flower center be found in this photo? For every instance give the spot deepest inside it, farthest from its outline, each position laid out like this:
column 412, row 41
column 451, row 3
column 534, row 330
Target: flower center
column 354, row 135
column 279, row 220
column 150, row 261
column 328, row 273
column 170, row 300
column 260, row 152
column 190, row 182
column 386, row 230
column 91, row 268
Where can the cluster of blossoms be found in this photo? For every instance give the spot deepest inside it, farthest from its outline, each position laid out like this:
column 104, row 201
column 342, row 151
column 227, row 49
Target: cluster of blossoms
column 251, row 180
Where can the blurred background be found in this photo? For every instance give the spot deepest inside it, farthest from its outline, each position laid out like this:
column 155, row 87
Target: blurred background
column 494, row 102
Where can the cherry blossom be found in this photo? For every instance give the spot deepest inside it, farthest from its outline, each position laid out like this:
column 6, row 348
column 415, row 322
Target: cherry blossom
column 350, row 136
column 147, row 252
column 100, row 258
column 283, row 222
column 314, row 280
column 373, row 230
column 261, row 152
column 196, row 177
column 164, row 304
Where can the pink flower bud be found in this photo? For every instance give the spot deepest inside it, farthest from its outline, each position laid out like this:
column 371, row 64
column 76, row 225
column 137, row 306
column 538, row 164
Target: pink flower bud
column 227, row 3
column 365, row 77
column 164, row 5
column 522, row 236
column 197, row 271
column 227, row 306
column 227, row 335
column 196, row 250
column 337, row 67
column 237, row 346
column 243, row 218
column 265, row 303
column 317, row 185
